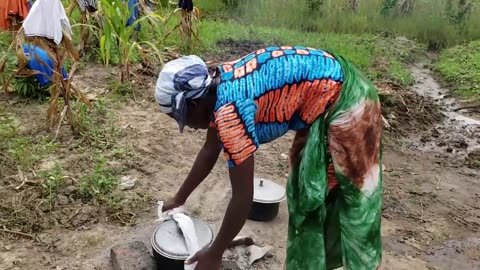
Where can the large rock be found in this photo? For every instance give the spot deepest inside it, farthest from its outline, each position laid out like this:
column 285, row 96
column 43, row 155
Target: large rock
column 131, row 256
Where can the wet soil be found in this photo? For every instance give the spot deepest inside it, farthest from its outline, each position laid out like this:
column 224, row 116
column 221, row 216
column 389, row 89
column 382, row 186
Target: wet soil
column 457, row 134
column 431, row 211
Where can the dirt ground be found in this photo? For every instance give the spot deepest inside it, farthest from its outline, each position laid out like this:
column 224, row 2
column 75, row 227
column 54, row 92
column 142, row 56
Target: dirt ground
column 431, row 212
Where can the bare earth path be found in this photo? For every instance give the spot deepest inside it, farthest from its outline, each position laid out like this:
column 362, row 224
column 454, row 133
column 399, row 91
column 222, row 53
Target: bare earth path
column 431, row 217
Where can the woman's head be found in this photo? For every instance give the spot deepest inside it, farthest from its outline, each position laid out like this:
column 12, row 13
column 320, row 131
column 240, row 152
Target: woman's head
column 182, row 91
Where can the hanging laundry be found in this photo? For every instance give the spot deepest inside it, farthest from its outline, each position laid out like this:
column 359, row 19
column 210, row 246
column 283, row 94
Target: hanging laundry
column 12, row 12
column 133, row 4
column 38, row 60
column 4, row 25
column 47, row 19
column 87, row 5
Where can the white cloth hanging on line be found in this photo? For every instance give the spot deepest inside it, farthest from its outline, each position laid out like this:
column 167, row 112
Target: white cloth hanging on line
column 47, row 19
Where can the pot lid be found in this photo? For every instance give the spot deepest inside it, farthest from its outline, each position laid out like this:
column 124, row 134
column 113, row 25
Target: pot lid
column 169, row 242
column 266, row 191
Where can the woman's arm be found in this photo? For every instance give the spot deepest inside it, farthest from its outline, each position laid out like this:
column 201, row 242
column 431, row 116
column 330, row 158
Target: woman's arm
column 206, row 159
column 241, row 178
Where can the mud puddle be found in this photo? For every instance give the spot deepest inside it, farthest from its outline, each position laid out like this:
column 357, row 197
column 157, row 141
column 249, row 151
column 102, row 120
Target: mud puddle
column 457, row 134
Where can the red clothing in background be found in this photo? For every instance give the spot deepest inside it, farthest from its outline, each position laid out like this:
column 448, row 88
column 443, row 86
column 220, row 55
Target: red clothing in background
column 18, row 8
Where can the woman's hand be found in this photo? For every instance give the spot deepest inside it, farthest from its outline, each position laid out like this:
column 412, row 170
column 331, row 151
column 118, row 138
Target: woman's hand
column 206, row 260
column 171, row 204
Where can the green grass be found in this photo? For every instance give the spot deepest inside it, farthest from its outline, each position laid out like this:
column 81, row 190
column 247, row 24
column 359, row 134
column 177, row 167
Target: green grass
column 8, row 125
column 363, row 50
column 432, row 22
column 100, row 182
column 5, row 40
column 460, row 67
column 26, row 151
column 96, row 125
column 17, row 150
column 398, row 73
column 476, row 163
column 52, row 181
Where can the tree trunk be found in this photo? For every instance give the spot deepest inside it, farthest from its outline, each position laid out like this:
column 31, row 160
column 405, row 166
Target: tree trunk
column 406, row 7
column 353, row 4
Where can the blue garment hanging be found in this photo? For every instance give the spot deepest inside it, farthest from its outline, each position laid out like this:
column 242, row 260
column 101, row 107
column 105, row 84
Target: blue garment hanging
column 38, row 60
column 133, row 4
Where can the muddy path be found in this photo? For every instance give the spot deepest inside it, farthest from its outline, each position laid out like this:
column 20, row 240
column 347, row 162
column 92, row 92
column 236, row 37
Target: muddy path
column 457, row 135
column 431, row 212
column 432, row 191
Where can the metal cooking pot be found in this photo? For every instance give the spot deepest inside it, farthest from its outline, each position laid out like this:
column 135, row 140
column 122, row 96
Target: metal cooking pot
column 169, row 247
column 266, row 200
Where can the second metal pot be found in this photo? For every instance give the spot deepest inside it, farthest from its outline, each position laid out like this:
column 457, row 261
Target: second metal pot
column 266, row 200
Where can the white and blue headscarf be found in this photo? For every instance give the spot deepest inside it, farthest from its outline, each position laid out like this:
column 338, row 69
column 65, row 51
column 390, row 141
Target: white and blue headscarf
column 180, row 80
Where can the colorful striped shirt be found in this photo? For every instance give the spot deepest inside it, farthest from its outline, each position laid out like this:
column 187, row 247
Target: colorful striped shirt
column 263, row 95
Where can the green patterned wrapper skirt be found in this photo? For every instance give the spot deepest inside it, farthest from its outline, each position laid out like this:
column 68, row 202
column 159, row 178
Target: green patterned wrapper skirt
column 340, row 227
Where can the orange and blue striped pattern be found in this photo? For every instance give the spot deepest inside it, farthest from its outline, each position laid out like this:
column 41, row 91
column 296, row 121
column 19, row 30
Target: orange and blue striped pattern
column 235, row 125
column 265, row 94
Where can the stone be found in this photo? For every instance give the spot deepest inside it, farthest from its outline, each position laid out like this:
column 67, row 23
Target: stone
column 131, row 256
column 71, row 189
column 229, row 265
column 127, row 182
column 62, row 199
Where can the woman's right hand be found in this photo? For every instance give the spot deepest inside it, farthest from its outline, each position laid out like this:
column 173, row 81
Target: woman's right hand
column 171, row 204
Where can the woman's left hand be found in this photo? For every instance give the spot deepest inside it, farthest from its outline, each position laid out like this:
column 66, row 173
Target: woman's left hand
column 206, row 260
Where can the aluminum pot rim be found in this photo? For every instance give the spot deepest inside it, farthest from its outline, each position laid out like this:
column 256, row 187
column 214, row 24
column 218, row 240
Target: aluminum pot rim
column 171, row 256
column 270, row 202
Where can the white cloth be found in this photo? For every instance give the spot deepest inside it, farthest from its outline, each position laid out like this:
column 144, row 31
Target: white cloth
column 188, row 230
column 47, row 18
column 187, row 227
column 163, row 216
column 183, row 78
